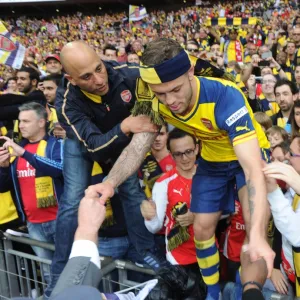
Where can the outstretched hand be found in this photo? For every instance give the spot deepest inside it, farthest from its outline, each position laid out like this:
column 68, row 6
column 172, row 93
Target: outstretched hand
column 102, row 191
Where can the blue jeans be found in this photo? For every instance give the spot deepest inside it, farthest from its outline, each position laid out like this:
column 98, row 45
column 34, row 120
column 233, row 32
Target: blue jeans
column 77, row 174
column 118, row 248
column 233, row 291
column 44, row 232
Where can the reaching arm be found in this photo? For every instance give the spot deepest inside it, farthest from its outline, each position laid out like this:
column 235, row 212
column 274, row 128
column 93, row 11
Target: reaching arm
column 127, row 163
column 213, row 32
column 249, row 156
column 246, row 73
column 131, row 158
column 160, row 198
column 286, row 219
column 236, row 120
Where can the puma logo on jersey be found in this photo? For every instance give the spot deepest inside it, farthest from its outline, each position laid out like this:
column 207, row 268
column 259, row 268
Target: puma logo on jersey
column 178, row 192
column 241, row 128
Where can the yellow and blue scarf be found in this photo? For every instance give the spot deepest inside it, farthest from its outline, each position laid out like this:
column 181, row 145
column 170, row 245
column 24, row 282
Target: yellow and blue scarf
column 44, row 189
column 150, row 171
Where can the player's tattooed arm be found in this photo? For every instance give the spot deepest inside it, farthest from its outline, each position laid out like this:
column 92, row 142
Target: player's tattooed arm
column 131, row 158
column 251, row 195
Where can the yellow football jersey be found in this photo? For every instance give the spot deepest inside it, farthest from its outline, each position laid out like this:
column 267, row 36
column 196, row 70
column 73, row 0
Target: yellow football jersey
column 221, row 119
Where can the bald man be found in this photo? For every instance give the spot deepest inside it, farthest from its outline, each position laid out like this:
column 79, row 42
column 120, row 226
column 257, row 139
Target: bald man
column 93, row 106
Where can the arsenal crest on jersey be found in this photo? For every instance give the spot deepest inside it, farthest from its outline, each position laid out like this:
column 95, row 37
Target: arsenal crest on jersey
column 207, row 123
column 6, row 44
column 126, row 96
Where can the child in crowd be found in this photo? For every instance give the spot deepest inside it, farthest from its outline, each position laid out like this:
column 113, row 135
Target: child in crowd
column 264, row 120
column 276, row 135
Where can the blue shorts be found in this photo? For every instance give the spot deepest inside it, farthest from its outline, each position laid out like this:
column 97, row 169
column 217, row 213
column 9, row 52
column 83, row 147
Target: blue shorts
column 215, row 185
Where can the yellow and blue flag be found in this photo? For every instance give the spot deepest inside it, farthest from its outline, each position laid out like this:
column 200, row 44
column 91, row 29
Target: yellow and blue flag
column 12, row 53
column 137, row 13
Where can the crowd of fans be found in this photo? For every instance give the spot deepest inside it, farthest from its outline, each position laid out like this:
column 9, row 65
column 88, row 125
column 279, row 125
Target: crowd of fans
column 264, row 62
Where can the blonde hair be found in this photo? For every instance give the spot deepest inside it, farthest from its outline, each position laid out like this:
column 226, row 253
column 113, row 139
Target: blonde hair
column 263, row 119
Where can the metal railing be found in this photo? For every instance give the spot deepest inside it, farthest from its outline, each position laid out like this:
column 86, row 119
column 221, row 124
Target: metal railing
column 21, row 275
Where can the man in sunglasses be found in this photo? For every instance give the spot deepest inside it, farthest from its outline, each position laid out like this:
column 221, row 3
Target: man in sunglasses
column 286, row 209
column 192, row 48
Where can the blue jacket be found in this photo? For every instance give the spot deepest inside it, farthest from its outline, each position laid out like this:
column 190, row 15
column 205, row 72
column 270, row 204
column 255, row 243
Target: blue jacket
column 50, row 165
column 97, row 125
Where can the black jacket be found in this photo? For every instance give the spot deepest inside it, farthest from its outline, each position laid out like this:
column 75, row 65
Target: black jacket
column 277, row 119
column 97, row 125
column 10, row 103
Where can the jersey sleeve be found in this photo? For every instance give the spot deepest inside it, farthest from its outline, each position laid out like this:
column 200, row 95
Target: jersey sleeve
column 232, row 115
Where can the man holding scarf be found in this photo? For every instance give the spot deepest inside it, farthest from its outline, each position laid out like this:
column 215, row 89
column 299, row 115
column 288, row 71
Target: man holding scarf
column 34, row 170
column 233, row 47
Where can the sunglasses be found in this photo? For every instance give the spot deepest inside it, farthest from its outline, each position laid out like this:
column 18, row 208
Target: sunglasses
column 192, row 50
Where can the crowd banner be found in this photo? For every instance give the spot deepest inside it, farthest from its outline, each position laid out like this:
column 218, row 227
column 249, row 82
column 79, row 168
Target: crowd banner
column 137, row 13
column 230, row 21
column 12, row 53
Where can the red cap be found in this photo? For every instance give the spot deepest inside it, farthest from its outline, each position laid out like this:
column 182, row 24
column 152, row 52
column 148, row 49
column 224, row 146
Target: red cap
column 55, row 56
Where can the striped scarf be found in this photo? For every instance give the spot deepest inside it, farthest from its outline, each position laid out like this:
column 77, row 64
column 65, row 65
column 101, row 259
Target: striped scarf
column 150, row 171
column 44, row 189
column 97, row 176
column 178, row 234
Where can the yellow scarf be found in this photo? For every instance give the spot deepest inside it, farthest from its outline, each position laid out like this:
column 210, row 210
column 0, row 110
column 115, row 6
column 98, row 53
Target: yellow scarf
column 296, row 251
column 3, row 130
column 17, row 135
column 43, row 184
column 178, row 234
column 281, row 122
column 151, row 171
column 52, row 118
column 109, row 216
column 8, row 210
column 234, row 50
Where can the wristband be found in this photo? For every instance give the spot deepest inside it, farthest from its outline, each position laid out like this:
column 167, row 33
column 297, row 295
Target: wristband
column 254, row 283
column 278, row 70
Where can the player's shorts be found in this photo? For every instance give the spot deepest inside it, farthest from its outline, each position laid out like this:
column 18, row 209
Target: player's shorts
column 215, row 185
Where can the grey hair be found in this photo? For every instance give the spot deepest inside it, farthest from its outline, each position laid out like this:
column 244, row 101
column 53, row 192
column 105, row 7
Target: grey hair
column 37, row 108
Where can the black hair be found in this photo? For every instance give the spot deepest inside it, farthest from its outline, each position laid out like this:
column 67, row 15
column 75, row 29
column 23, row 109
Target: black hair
column 11, row 78
column 33, row 74
column 110, row 47
column 56, row 78
column 178, row 134
column 292, row 85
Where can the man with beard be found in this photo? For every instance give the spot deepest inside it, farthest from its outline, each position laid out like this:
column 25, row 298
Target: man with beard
column 286, row 93
column 27, row 81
